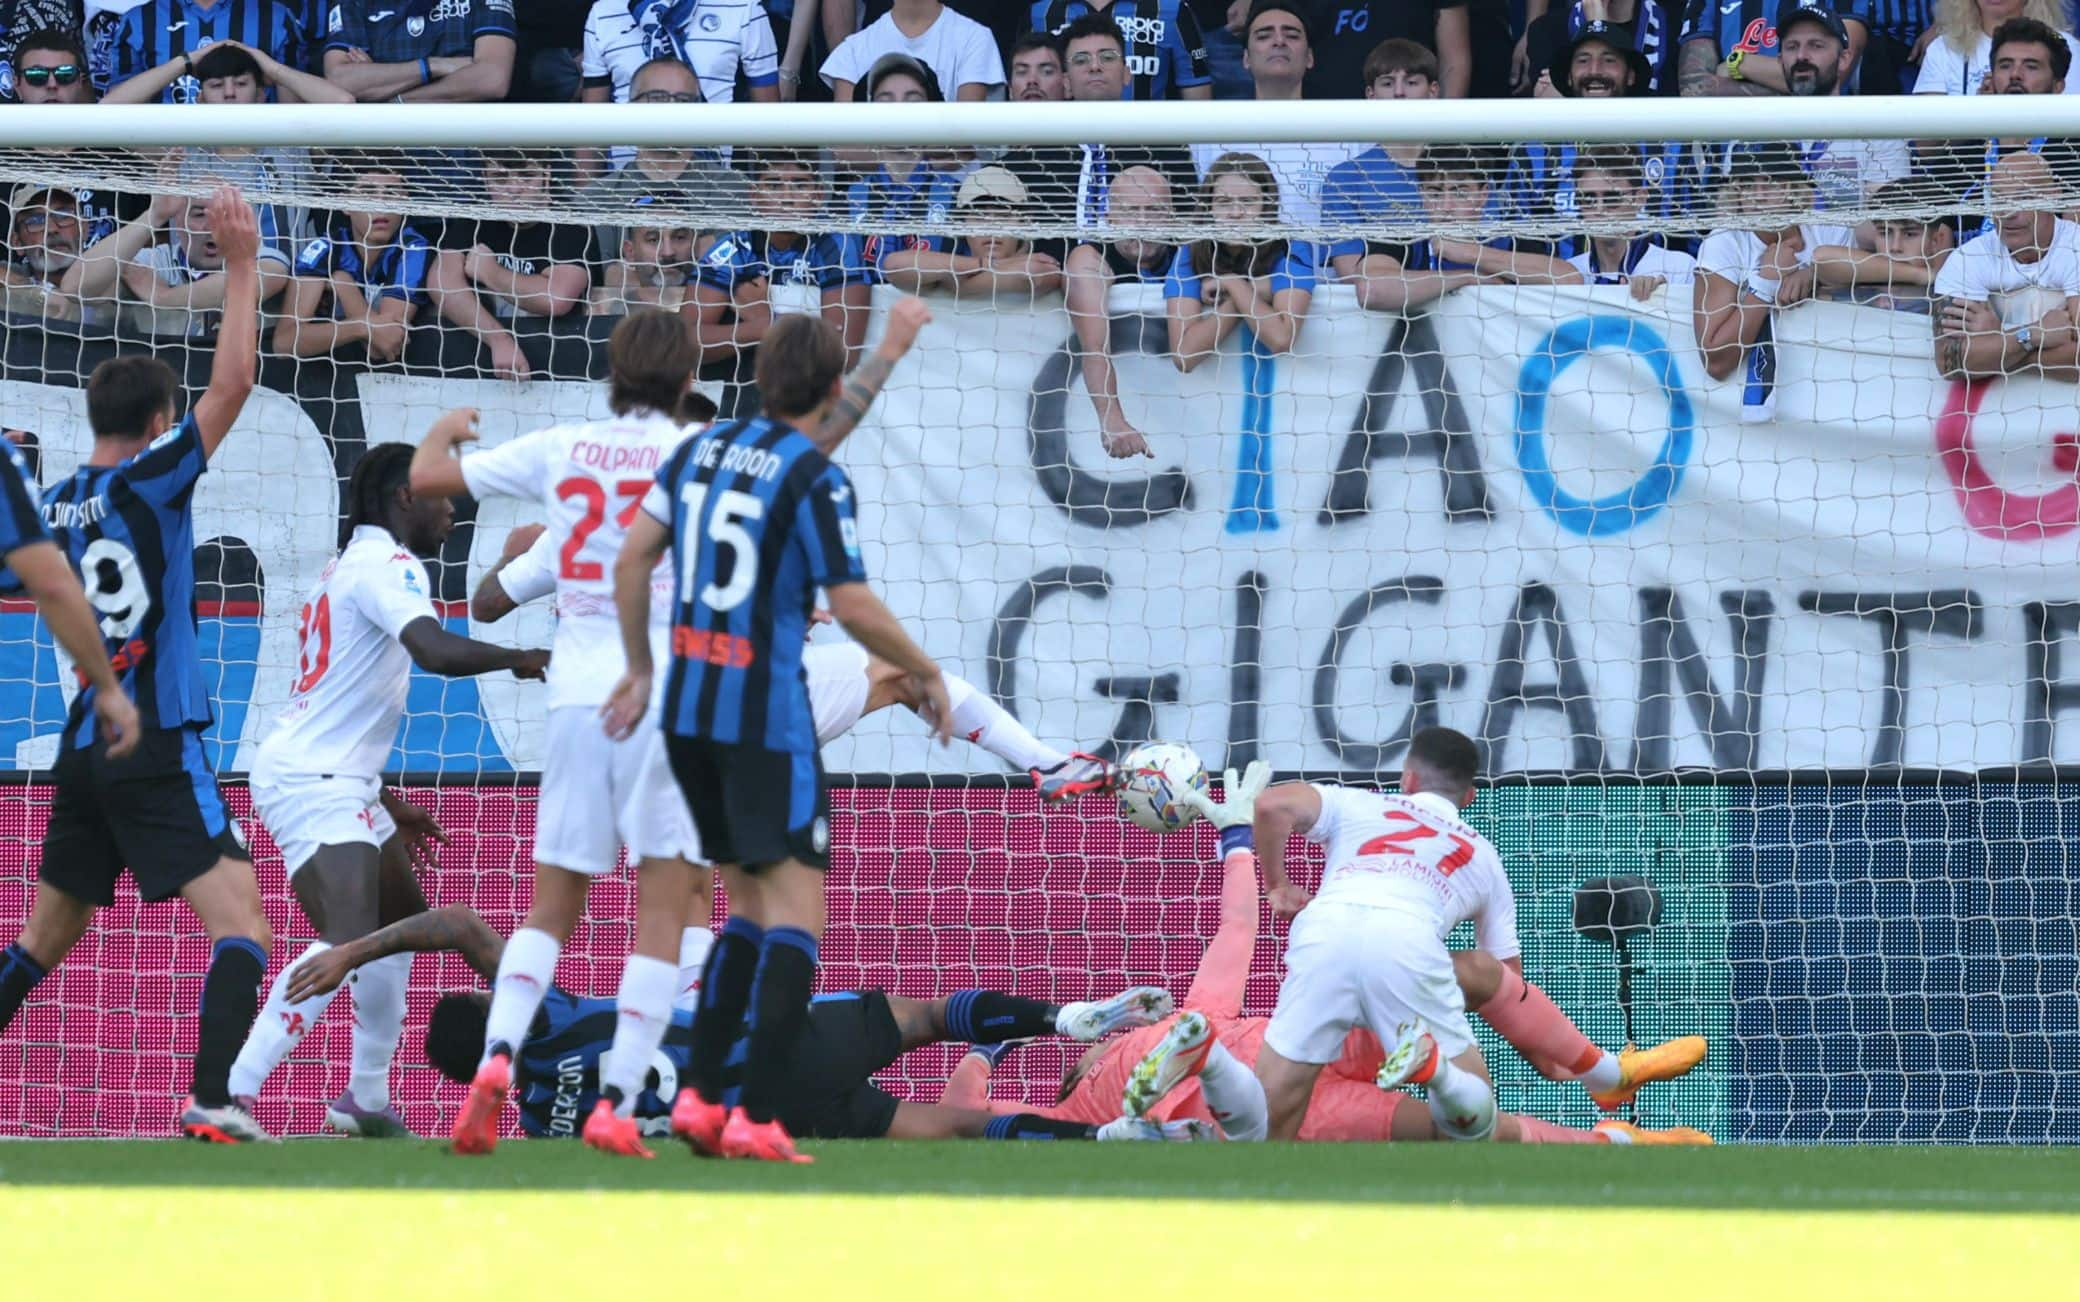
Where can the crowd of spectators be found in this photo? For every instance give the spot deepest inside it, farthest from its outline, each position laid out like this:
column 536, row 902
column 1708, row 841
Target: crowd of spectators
column 524, row 296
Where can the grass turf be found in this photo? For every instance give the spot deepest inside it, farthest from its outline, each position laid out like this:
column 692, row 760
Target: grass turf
column 335, row 1218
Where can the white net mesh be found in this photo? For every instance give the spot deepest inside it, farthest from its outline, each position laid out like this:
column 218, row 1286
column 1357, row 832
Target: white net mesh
column 1738, row 531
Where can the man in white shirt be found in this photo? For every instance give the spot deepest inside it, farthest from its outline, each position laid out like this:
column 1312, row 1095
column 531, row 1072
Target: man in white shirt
column 1277, row 52
column 2011, row 296
column 715, row 38
column 959, row 50
column 1368, row 948
column 349, row 843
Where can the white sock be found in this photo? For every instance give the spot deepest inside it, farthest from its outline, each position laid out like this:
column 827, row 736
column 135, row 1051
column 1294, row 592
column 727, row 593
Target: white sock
column 694, row 944
column 645, row 1006
column 1605, row 1076
column 524, row 972
column 278, row 1029
column 990, row 726
column 1462, row 1104
column 1234, row 1096
column 379, row 989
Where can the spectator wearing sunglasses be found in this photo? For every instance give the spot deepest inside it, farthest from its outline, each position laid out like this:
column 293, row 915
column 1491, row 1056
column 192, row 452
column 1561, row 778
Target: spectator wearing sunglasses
column 22, row 18
column 50, row 67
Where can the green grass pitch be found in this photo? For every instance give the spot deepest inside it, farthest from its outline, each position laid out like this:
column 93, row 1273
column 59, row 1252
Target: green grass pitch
column 321, row 1218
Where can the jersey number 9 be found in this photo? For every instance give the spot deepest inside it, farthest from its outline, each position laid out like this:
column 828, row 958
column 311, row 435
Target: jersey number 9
column 115, row 587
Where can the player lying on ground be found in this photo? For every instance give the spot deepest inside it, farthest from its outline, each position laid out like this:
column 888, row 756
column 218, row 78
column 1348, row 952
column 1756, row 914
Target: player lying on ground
column 348, row 842
column 1202, row 1058
column 754, row 518
column 827, row 1089
column 125, row 518
column 595, row 796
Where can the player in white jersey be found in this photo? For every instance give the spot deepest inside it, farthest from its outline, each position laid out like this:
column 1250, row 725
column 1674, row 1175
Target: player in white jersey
column 596, row 795
column 1368, row 948
column 317, row 786
column 846, row 682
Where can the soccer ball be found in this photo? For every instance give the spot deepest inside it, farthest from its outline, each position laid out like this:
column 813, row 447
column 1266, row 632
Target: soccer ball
column 1152, row 778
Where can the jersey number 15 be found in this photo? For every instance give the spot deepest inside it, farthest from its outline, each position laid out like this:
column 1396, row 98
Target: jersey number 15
column 733, row 510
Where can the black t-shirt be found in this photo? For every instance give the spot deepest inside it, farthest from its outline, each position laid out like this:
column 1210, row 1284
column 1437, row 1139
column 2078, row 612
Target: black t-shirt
column 1345, row 32
column 526, row 250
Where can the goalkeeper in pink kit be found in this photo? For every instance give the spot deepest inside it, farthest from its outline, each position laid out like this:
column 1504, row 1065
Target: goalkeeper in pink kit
column 1198, row 1063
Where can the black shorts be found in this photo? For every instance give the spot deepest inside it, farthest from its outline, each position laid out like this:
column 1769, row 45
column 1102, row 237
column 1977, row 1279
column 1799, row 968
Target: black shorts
column 157, row 811
column 753, row 806
column 830, row 1091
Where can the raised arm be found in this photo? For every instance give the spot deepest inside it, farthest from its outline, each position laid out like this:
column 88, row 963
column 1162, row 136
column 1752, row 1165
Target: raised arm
column 1217, row 987
column 456, row 927
column 435, row 468
column 898, row 334
column 236, row 368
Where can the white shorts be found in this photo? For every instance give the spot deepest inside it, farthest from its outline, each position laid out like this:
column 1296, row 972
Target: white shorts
column 304, row 813
column 1348, row 965
column 599, row 794
column 838, row 686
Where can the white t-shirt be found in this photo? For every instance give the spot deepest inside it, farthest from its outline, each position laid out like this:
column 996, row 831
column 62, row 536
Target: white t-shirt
column 1737, row 255
column 1413, row 854
column 719, row 37
column 1946, row 72
column 590, row 479
column 1654, row 260
column 1301, row 168
column 960, row 50
column 1983, row 267
column 351, row 671
column 1844, row 172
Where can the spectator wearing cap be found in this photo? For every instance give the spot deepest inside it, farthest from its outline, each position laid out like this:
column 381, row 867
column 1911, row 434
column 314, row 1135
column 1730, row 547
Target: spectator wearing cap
column 2010, row 297
column 49, row 66
column 674, row 183
column 1162, row 48
column 1278, row 52
column 655, row 269
column 1814, row 55
column 1036, row 70
column 1958, row 58
column 1748, row 272
column 359, row 288
column 227, row 72
column 781, row 263
column 1216, row 284
column 1646, row 27
column 1600, row 63
column 901, row 189
column 1070, row 184
column 421, row 52
column 985, row 261
column 1729, row 47
column 507, row 282
column 959, row 50
column 1471, row 39
column 1610, row 190
column 1141, row 199
column 44, row 272
column 159, row 32
column 1899, row 275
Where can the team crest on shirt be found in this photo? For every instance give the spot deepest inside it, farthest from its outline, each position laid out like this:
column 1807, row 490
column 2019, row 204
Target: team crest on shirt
column 6, row 78
column 710, row 23
column 820, row 834
column 416, row 26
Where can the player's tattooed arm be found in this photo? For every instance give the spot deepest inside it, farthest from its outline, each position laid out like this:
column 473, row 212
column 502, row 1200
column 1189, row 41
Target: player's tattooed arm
column 456, row 927
column 905, row 319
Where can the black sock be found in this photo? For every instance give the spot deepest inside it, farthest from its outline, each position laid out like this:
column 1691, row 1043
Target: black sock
column 230, row 997
column 779, row 1011
column 18, row 976
column 1031, row 1125
column 725, row 993
column 991, row 1017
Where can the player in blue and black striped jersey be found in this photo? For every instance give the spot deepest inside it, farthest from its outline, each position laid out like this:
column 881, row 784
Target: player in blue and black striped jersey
column 828, row 1090
column 125, row 518
column 756, row 519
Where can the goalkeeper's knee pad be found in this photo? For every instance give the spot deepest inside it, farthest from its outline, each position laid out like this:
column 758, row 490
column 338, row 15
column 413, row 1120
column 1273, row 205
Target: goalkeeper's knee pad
column 1465, row 1119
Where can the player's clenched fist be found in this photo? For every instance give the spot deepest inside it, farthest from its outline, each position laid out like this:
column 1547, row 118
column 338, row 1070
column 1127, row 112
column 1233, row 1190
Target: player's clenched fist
column 233, row 226
column 905, row 319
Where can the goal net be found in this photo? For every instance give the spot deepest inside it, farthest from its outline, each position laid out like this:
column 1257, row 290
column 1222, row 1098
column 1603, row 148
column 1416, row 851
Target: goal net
column 1723, row 489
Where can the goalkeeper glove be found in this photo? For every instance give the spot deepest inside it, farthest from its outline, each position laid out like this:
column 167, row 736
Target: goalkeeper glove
column 1235, row 814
